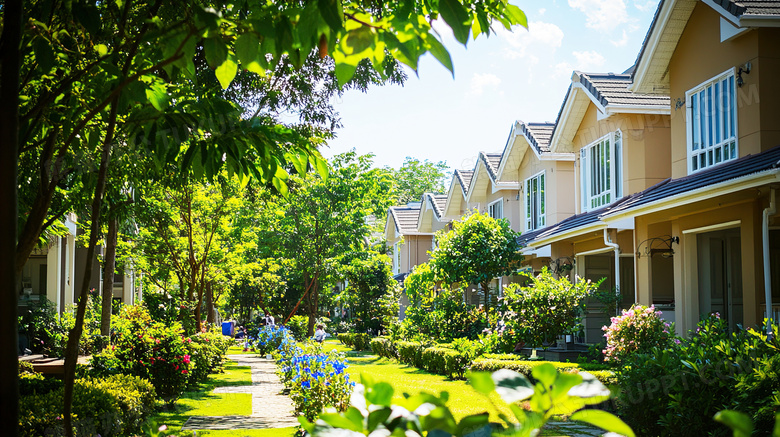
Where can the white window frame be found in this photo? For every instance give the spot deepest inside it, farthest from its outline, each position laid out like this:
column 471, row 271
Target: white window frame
column 703, row 151
column 396, row 258
column 538, row 205
column 491, row 208
column 610, row 180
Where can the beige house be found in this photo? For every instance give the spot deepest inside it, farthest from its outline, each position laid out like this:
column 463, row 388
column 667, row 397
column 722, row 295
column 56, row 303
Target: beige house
column 708, row 237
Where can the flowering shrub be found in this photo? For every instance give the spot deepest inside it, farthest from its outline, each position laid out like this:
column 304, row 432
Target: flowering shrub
column 206, row 350
column 271, row 338
column 638, row 330
column 149, row 349
column 319, row 381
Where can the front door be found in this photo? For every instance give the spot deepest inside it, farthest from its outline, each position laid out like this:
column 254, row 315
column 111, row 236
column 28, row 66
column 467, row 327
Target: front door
column 720, row 275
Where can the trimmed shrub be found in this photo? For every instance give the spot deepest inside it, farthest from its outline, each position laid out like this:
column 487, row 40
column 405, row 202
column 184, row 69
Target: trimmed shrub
column 358, row 342
column 526, row 368
column 383, row 347
column 445, row 361
column 207, row 351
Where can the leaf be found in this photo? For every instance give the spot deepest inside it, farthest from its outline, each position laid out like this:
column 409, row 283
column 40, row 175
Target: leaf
column 512, row 386
column 456, row 16
column 332, row 13
column 776, row 431
column 157, row 94
column 89, row 17
column 606, row 421
column 482, row 382
column 247, row 48
column 474, row 423
column 101, row 49
column 44, row 55
column 545, row 374
column 322, row 167
column 377, row 417
column 359, row 39
column 337, row 420
column 380, row 394
column 216, row 51
column 227, row 71
column 589, row 387
column 737, row 421
column 439, row 52
column 516, row 15
column 344, row 72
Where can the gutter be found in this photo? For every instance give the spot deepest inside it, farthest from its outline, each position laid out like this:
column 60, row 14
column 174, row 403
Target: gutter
column 770, row 210
column 608, row 242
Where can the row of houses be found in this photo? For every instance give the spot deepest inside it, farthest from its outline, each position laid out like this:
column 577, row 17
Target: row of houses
column 662, row 179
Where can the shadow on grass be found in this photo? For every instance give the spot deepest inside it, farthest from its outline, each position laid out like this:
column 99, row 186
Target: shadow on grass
column 240, row 379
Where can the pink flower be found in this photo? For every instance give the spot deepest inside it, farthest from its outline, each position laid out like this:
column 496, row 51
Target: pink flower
column 186, row 359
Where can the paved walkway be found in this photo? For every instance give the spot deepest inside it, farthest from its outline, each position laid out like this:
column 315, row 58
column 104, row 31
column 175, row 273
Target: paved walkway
column 270, row 408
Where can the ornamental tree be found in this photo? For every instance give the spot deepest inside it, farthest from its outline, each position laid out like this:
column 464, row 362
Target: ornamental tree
column 477, row 250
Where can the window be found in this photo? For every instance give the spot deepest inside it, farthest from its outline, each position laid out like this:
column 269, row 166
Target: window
column 496, row 209
column 712, row 127
column 534, row 202
column 600, row 171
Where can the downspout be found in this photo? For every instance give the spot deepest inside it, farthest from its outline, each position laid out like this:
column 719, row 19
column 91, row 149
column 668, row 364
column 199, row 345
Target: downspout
column 608, row 242
column 770, row 210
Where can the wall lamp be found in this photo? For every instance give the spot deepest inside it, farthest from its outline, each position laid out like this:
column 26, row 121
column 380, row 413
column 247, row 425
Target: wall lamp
column 662, row 245
column 742, row 69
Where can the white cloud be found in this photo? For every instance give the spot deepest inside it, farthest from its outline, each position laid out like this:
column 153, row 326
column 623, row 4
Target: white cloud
column 622, row 41
column 542, row 11
column 540, row 36
column 602, row 15
column 480, row 81
column 588, row 61
column 645, row 6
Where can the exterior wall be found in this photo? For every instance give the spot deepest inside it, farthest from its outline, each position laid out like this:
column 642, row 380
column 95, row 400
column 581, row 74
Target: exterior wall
column 739, row 211
column 414, row 251
column 694, row 62
column 646, row 149
column 559, row 189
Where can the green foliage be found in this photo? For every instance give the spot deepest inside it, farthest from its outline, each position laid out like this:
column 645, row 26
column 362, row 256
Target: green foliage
column 149, row 349
column 526, row 368
column 369, row 276
column 420, row 283
column 545, row 309
column 478, row 249
column 40, row 324
column 207, row 352
column 359, row 341
column 445, row 361
column 415, row 177
column 444, row 317
column 114, row 406
column 677, row 390
column 298, row 326
column 639, row 330
column 383, row 347
column 32, row 383
column 372, row 408
column 91, row 341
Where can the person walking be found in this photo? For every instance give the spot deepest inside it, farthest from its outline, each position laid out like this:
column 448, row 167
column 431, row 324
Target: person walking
column 269, row 319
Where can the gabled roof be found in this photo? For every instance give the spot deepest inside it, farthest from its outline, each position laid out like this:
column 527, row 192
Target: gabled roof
column 437, row 202
column 728, row 173
column 651, row 73
column 405, row 218
column 524, row 136
column 610, row 93
column 742, row 167
column 464, row 178
column 486, row 175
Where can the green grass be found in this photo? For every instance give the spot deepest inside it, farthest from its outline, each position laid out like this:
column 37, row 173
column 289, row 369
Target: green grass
column 239, row 350
column 463, row 400
column 203, row 402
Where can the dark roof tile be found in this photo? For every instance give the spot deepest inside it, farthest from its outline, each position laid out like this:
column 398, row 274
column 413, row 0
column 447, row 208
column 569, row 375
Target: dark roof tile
column 464, row 177
column 612, row 89
column 405, row 218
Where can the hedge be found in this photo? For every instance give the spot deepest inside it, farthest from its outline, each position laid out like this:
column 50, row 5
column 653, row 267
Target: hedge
column 606, row 377
column 383, row 347
column 358, row 342
column 445, row 361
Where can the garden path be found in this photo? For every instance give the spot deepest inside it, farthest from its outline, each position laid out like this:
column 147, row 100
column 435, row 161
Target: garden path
column 270, row 408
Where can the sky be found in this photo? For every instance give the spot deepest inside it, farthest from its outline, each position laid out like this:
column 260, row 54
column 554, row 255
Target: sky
column 518, row 75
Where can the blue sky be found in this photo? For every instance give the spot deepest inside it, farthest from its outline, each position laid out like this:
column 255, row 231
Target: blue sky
column 509, row 76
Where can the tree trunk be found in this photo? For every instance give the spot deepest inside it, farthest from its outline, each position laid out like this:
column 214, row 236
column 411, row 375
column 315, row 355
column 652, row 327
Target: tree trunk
column 209, row 303
column 312, row 307
column 72, row 348
column 9, row 137
column 108, row 277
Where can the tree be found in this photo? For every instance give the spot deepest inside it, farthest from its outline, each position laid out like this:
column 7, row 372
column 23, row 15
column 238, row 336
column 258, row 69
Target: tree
column 322, row 218
column 105, row 73
column 415, row 177
column 477, row 250
column 369, row 276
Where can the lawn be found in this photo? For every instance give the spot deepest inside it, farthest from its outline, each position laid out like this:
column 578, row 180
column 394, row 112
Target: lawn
column 463, row 400
column 204, row 402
